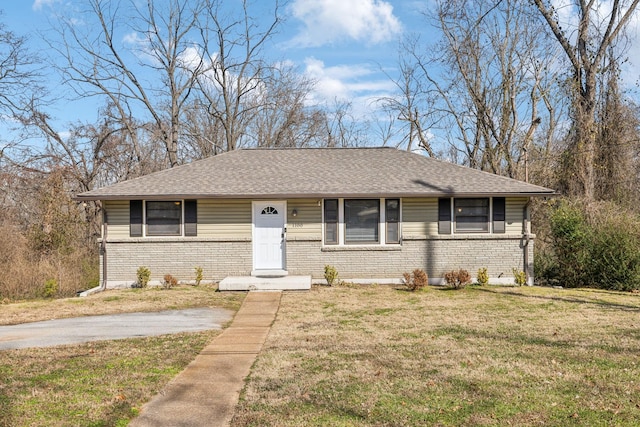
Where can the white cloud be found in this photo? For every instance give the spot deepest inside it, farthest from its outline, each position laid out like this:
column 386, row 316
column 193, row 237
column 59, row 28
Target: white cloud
column 39, row 4
column 191, row 58
column 358, row 84
column 133, row 39
column 328, row 21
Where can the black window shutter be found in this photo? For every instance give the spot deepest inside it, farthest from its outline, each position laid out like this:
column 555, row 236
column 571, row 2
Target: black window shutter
column 499, row 214
column 190, row 217
column 444, row 216
column 135, row 218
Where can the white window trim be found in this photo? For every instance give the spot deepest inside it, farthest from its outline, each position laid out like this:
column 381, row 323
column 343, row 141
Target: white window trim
column 382, row 223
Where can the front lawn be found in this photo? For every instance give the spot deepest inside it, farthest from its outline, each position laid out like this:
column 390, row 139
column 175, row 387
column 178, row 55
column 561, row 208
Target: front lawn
column 380, row 356
column 99, row 383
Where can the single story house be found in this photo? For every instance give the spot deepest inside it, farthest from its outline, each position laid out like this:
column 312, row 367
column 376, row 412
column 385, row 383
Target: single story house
column 372, row 213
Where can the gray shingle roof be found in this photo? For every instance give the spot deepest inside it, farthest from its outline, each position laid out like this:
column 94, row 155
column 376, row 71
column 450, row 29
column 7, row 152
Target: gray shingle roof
column 315, row 172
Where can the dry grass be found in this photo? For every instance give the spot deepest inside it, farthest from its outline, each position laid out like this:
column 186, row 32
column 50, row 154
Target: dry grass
column 99, row 383
column 374, row 356
column 119, row 301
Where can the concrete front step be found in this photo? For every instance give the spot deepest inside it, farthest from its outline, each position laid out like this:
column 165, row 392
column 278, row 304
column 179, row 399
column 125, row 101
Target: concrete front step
column 251, row 283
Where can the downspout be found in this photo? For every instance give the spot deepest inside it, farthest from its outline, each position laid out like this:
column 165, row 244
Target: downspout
column 103, row 252
column 526, row 226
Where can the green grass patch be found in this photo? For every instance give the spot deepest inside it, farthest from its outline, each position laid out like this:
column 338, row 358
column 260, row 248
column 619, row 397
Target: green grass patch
column 102, row 383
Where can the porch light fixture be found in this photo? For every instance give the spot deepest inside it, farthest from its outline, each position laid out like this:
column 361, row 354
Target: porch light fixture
column 294, row 212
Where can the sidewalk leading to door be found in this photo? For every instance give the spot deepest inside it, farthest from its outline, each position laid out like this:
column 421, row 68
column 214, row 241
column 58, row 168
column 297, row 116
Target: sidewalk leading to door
column 206, row 392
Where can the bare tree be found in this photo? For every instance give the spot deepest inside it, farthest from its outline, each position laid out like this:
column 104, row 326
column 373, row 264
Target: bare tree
column 19, row 74
column 152, row 74
column 284, row 119
column 599, row 26
column 235, row 79
column 408, row 105
column 481, row 88
column 618, row 126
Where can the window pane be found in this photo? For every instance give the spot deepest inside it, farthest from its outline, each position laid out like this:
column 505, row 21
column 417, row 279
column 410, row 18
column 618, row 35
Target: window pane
column 331, row 233
column 331, row 221
column 472, row 224
column 392, row 212
column 471, row 215
column 392, row 232
column 331, row 210
column 163, row 218
column 361, row 219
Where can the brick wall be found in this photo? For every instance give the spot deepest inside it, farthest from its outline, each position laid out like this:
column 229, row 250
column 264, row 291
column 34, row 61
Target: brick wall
column 178, row 257
column 500, row 254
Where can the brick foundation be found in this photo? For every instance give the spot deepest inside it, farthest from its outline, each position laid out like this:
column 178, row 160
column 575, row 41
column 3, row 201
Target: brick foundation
column 222, row 258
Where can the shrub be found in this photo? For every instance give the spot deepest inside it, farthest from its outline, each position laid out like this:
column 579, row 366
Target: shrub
column 50, row 288
column 457, row 279
column 199, row 275
column 594, row 245
column 483, row 276
column 169, row 281
column 330, row 274
column 571, row 241
column 615, row 259
column 143, row 275
column 416, row 280
column 519, row 277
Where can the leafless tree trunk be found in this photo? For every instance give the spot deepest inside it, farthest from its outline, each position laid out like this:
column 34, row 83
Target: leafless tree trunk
column 480, row 88
column 236, row 72
column 155, row 73
column 618, row 136
column 586, row 52
column 408, row 107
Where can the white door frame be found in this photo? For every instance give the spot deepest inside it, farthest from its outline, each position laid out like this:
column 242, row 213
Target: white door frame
column 273, row 263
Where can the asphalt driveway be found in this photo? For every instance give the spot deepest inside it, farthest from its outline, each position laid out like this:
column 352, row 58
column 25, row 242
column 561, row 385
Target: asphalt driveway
column 110, row 327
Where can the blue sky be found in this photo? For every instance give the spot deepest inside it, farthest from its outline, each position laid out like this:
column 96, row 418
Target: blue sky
column 342, row 44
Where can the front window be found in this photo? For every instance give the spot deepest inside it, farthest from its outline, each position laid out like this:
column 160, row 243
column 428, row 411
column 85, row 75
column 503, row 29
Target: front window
column 471, row 215
column 361, row 221
column 163, row 218
column 361, row 218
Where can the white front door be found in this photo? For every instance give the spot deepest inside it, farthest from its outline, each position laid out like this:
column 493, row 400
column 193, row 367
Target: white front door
column 268, row 235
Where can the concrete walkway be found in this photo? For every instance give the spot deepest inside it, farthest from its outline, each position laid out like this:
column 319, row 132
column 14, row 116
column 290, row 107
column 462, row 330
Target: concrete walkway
column 111, row 327
column 206, row 392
